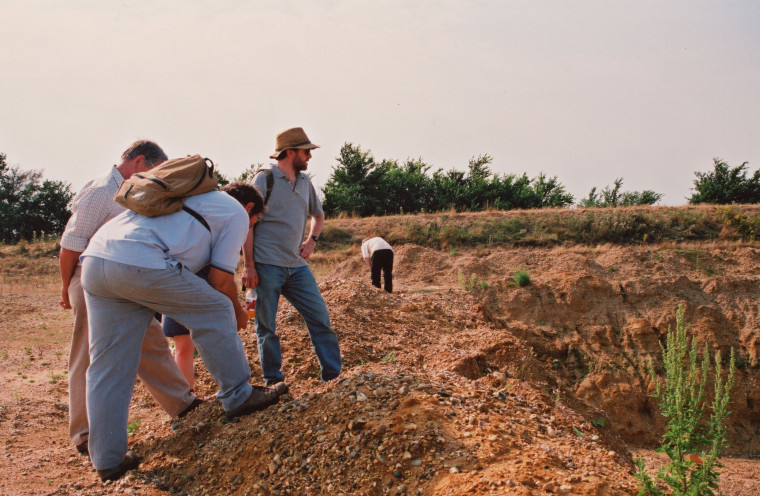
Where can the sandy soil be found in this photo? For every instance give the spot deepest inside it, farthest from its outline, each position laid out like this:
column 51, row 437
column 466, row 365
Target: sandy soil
column 461, row 382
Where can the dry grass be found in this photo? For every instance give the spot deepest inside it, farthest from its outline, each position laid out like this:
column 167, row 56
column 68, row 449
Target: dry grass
column 29, row 268
column 550, row 227
column 598, row 229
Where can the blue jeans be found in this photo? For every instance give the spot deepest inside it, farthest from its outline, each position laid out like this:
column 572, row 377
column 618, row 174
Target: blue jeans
column 298, row 286
column 121, row 301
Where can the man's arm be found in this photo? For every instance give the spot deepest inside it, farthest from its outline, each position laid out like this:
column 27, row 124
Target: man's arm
column 365, row 253
column 224, row 282
column 67, row 264
column 250, row 277
column 88, row 212
column 307, row 247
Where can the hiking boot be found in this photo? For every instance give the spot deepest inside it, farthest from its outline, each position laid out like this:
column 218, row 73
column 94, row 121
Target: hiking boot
column 280, row 387
column 130, row 462
column 192, row 406
column 260, row 398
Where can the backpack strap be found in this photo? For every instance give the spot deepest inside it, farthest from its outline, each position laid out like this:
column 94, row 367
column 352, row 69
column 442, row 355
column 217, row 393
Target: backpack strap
column 270, row 184
column 197, row 216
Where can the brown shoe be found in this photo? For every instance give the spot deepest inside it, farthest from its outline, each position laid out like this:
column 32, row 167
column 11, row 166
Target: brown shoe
column 280, row 387
column 260, row 398
column 192, row 406
column 130, row 462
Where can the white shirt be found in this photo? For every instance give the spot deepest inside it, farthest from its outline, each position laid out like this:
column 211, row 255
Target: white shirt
column 372, row 245
column 152, row 242
column 91, row 208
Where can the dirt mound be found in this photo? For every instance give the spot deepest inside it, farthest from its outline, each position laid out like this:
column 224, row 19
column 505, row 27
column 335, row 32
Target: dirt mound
column 381, row 429
column 608, row 326
column 435, row 398
column 574, row 343
column 594, row 317
column 448, row 387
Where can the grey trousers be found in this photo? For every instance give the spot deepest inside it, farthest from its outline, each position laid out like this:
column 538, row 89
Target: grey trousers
column 121, row 300
column 158, row 372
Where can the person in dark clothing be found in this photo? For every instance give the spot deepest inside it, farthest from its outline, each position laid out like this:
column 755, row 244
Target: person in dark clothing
column 379, row 256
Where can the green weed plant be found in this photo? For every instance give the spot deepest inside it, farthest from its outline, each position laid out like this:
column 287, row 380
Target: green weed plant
column 470, row 284
column 521, row 277
column 133, row 428
column 389, row 357
column 692, row 444
column 599, row 423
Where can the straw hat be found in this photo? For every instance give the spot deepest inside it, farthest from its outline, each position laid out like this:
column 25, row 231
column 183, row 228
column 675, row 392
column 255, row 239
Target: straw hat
column 292, row 138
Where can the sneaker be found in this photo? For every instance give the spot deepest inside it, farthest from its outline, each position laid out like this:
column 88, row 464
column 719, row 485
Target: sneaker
column 130, row 462
column 260, row 398
column 192, row 406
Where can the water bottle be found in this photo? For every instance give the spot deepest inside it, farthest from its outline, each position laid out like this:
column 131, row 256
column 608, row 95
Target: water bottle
column 250, row 302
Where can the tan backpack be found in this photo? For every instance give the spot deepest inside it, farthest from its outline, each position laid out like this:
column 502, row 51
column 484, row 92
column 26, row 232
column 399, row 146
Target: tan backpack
column 163, row 189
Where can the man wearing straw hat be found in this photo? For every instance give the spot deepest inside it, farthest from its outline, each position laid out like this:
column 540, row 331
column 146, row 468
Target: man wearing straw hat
column 279, row 258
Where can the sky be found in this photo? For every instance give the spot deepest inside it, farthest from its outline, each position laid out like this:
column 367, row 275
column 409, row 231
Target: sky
column 587, row 91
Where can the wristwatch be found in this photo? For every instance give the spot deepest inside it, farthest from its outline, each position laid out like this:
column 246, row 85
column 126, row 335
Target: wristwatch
column 315, row 238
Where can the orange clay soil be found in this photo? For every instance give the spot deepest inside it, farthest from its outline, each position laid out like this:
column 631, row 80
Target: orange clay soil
column 461, row 382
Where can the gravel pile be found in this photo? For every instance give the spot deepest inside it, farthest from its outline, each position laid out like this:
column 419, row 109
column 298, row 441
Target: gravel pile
column 383, row 431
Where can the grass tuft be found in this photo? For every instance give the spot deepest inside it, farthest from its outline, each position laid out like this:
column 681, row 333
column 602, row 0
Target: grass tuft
column 521, row 277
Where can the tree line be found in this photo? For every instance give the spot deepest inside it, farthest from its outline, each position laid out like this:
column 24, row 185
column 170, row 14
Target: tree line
column 31, row 206
column 360, row 185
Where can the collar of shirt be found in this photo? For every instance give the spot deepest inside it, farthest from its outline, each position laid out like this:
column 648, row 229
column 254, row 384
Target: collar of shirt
column 278, row 172
column 116, row 176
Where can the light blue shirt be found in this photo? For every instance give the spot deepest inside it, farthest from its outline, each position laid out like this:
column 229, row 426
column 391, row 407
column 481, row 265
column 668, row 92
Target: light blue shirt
column 152, row 242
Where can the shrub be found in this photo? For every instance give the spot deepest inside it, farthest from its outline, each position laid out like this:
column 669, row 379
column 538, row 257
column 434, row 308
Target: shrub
column 613, row 197
column 521, row 277
column 29, row 204
column 726, row 184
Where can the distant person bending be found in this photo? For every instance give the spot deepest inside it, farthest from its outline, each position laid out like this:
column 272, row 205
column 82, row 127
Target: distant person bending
column 280, row 254
column 92, row 208
column 379, row 256
column 135, row 266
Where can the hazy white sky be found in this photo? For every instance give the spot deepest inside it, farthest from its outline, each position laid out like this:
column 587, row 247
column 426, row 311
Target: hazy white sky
column 587, row 91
